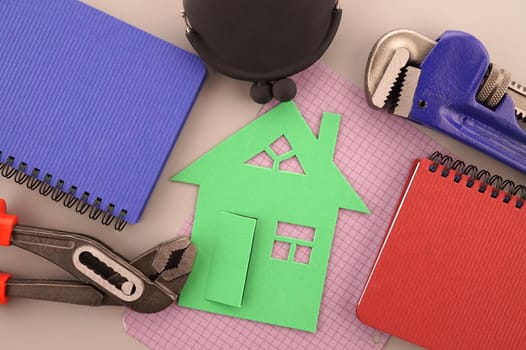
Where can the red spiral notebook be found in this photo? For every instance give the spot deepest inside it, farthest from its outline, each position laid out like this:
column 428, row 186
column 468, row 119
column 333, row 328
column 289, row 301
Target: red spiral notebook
column 451, row 273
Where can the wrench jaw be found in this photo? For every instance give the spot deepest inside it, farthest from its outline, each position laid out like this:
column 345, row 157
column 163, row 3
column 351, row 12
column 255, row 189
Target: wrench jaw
column 402, row 100
column 392, row 70
column 397, row 88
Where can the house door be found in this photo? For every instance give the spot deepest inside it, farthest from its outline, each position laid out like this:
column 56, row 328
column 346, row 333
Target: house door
column 231, row 256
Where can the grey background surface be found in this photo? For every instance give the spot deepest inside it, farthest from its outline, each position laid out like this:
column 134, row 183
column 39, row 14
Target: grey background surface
column 223, row 107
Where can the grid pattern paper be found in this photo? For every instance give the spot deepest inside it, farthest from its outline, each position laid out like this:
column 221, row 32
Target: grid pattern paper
column 280, row 250
column 375, row 151
column 296, row 231
column 281, row 146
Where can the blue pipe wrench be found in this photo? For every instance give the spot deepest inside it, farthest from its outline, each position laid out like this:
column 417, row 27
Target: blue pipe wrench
column 450, row 85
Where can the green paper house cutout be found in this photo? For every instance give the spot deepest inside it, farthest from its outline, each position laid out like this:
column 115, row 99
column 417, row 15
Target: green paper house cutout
column 246, row 267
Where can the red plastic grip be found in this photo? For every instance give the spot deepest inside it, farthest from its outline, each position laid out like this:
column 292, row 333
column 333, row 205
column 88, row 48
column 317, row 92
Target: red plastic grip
column 4, row 277
column 7, row 222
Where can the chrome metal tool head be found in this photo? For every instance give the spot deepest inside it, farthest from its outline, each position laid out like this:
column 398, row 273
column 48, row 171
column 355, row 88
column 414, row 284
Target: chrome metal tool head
column 392, row 65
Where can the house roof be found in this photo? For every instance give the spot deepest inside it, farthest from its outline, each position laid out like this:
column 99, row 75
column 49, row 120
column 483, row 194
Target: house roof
column 315, row 154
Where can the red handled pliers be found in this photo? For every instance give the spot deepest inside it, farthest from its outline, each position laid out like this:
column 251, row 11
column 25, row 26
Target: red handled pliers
column 149, row 283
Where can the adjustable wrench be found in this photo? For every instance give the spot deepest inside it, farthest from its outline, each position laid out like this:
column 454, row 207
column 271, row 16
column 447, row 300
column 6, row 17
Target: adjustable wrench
column 451, row 86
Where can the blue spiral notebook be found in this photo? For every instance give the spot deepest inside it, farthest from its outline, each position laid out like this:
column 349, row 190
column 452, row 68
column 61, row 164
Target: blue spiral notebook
column 90, row 107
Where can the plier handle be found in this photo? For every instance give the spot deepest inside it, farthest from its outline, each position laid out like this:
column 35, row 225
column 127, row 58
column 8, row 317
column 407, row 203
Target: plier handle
column 149, row 283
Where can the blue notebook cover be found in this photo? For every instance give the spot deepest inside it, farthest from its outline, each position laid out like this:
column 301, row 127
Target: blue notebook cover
column 89, row 105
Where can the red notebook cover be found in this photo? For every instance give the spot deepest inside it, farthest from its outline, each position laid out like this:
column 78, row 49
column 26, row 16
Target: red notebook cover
column 451, row 273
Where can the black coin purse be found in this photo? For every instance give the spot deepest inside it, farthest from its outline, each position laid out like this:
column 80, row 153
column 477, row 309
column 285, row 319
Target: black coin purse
column 262, row 41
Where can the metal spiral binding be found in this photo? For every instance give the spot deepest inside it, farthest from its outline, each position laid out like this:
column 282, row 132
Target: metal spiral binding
column 59, row 193
column 485, row 177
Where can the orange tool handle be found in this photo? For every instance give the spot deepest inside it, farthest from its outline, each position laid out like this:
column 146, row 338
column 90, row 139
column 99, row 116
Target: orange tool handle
column 7, row 223
column 4, row 277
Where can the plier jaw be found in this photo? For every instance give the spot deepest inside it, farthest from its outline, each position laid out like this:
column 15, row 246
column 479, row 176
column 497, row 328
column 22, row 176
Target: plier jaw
column 450, row 85
column 147, row 284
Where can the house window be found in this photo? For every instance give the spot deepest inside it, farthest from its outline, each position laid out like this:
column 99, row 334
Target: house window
column 293, row 243
column 279, row 156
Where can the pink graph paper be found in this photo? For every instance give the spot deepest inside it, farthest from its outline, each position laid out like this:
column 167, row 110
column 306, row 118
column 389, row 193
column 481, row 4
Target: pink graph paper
column 375, row 151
